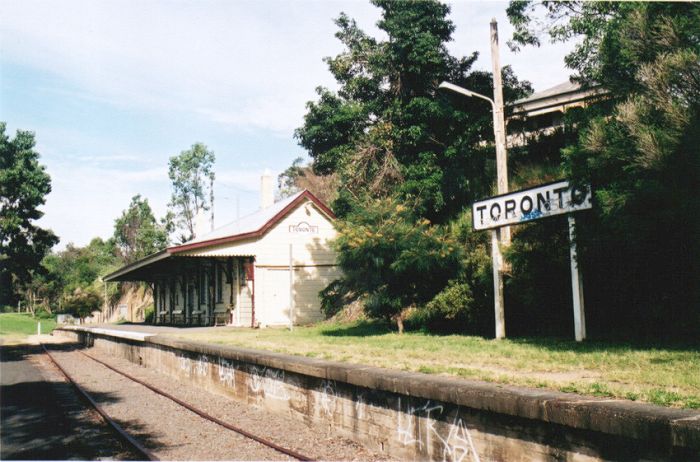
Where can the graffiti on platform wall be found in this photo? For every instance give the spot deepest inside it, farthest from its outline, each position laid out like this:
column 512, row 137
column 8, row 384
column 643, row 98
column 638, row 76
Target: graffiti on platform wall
column 269, row 382
column 227, row 373
column 408, row 427
column 328, row 396
column 360, row 406
column 201, row 368
column 458, row 444
column 185, row 365
column 417, row 426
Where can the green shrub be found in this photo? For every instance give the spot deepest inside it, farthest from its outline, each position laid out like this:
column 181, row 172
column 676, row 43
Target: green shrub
column 81, row 303
column 394, row 258
column 452, row 310
column 44, row 314
column 149, row 314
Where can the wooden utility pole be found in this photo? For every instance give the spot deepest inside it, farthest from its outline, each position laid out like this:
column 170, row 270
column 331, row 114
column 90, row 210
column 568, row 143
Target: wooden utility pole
column 499, row 125
column 501, row 235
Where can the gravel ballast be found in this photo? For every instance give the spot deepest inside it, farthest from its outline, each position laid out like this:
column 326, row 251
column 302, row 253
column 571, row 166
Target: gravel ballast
column 175, row 433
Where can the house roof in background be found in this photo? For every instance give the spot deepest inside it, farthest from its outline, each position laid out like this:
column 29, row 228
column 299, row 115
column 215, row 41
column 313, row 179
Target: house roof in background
column 563, row 95
column 565, row 87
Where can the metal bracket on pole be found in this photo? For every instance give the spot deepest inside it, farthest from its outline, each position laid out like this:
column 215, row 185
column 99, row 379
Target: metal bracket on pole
column 576, row 285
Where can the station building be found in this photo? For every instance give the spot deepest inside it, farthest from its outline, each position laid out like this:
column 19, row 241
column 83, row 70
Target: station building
column 264, row 269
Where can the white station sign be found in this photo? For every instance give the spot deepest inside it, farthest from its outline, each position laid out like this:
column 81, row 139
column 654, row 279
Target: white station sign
column 530, row 204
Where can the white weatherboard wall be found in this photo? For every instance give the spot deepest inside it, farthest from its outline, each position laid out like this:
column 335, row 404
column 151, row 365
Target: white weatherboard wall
column 310, row 233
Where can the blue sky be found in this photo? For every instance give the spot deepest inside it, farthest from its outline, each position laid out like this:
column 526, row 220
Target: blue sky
column 112, row 89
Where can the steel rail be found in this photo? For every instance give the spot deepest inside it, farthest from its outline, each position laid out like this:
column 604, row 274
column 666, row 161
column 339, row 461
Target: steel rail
column 115, row 426
column 204, row 415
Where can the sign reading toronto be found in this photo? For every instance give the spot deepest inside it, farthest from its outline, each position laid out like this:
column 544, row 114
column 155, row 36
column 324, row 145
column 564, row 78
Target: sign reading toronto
column 303, row 228
column 530, row 204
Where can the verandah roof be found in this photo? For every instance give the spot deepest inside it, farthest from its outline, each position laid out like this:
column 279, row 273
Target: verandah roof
column 251, row 226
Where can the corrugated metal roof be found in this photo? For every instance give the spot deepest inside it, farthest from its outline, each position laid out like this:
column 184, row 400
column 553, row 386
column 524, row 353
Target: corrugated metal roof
column 253, row 225
column 247, row 224
column 130, row 268
column 558, row 98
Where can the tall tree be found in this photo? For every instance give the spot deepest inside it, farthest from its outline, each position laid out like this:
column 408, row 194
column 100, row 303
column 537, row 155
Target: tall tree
column 640, row 154
column 397, row 143
column 24, row 185
column 388, row 130
column 192, row 177
column 137, row 233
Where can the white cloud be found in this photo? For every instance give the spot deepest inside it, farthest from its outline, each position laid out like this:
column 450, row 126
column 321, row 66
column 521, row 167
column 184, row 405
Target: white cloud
column 86, row 200
column 241, row 65
column 236, row 58
column 245, row 64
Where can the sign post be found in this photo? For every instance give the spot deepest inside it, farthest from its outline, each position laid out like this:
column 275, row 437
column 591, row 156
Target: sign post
column 496, row 213
column 498, row 301
column 291, row 289
column 576, row 285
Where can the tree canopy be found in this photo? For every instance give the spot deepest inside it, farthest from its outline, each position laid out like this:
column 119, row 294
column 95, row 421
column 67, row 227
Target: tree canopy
column 387, row 130
column 192, row 176
column 408, row 158
column 24, row 185
column 137, row 232
column 639, row 246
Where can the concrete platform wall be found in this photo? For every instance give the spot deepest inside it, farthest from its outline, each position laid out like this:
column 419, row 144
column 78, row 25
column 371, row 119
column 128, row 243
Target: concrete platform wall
column 418, row 416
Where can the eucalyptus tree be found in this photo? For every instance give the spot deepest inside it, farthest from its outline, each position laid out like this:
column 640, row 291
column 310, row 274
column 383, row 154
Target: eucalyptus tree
column 192, row 176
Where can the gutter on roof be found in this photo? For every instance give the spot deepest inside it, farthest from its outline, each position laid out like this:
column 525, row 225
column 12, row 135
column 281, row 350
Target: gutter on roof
column 154, row 257
column 262, row 230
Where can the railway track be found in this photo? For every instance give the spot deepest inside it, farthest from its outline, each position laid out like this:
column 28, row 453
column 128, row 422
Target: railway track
column 135, row 444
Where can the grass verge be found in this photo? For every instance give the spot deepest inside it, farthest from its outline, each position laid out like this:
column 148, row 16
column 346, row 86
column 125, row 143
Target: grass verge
column 664, row 375
column 17, row 326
